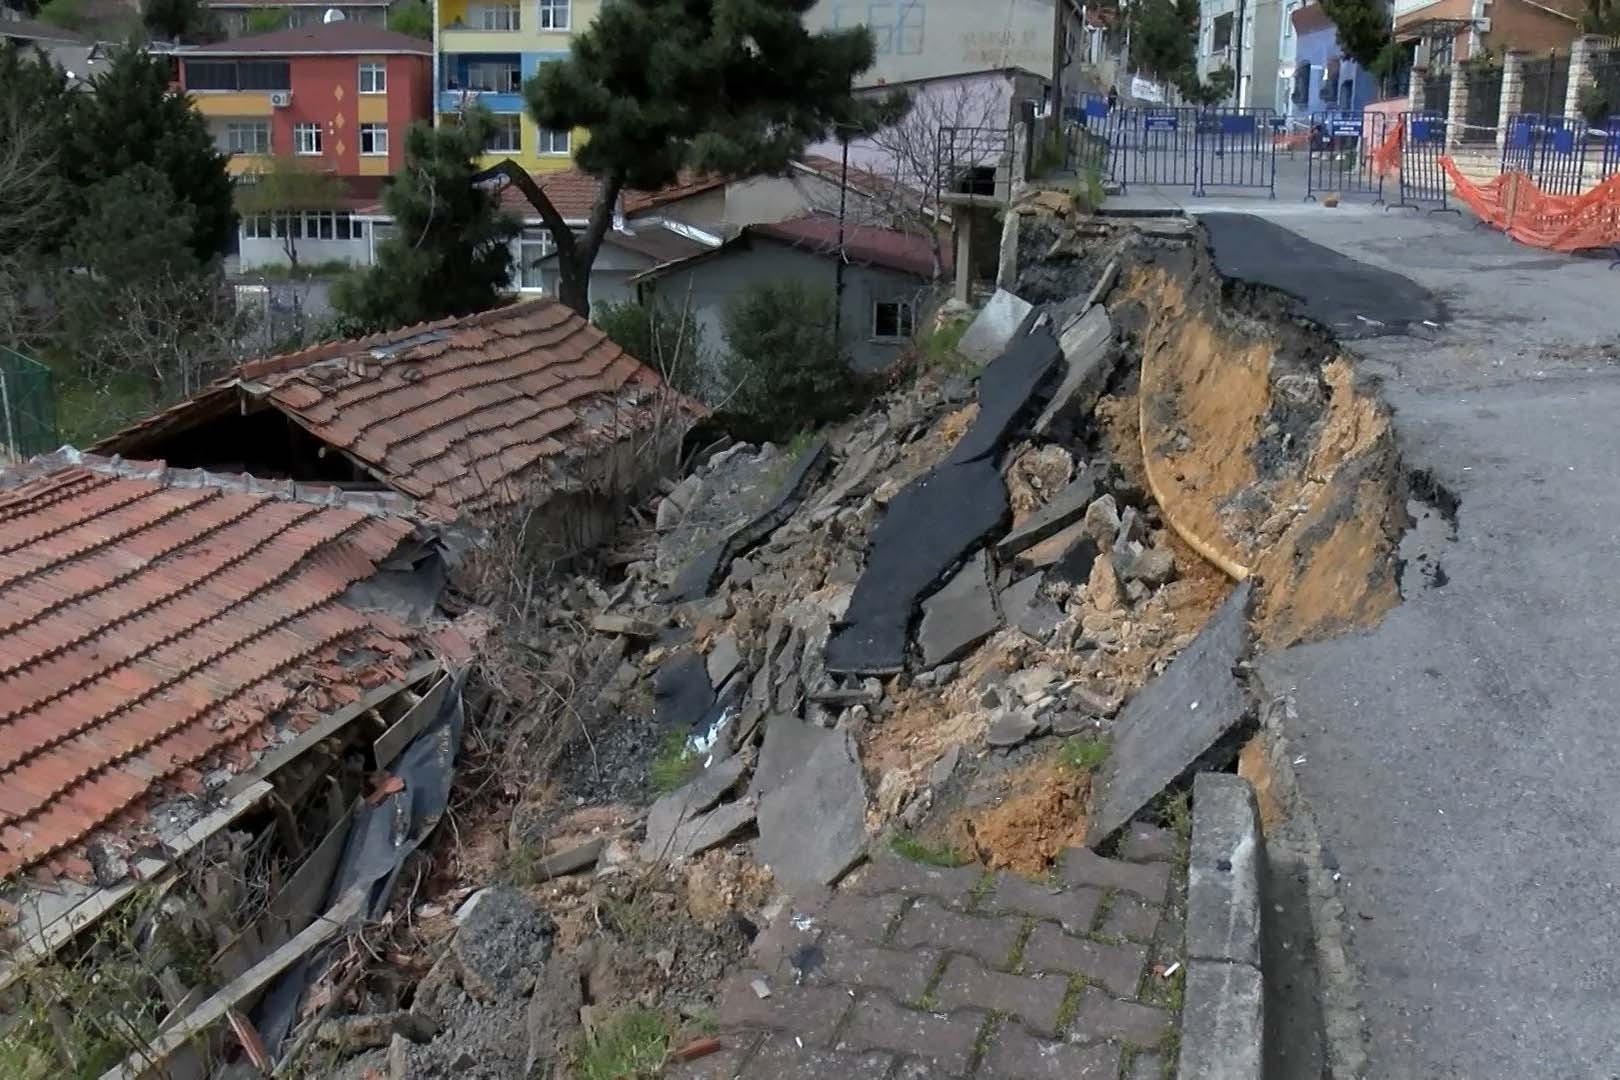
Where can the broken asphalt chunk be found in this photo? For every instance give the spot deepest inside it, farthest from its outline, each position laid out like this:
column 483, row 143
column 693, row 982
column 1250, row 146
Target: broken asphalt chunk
column 931, row 524
column 1185, row 718
column 1007, row 393
column 682, row 693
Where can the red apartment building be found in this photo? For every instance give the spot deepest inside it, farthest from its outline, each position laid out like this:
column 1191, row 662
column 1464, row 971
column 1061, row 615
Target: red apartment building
column 337, row 97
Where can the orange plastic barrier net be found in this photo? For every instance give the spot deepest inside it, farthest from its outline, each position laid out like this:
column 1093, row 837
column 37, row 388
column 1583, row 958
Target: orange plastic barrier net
column 1512, row 202
column 1291, row 140
column 1386, row 157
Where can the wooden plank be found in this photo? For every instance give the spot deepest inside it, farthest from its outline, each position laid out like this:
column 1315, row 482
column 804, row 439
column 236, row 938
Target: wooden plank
column 391, row 743
column 147, row 1064
column 332, row 723
column 61, row 916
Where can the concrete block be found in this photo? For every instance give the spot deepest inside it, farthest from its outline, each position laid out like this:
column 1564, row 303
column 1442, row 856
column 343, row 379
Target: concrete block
column 1089, row 356
column 1065, row 507
column 959, row 616
column 1223, row 871
column 993, row 328
column 1222, row 1022
column 1176, row 721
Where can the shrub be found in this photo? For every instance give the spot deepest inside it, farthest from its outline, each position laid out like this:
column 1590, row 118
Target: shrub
column 654, row 334
column 782, row 363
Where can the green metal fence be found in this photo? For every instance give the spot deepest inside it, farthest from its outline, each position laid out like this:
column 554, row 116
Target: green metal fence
column 27, row 406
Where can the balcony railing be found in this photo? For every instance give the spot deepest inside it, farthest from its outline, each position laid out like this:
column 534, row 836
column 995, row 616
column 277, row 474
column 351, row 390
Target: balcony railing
column 495, row 101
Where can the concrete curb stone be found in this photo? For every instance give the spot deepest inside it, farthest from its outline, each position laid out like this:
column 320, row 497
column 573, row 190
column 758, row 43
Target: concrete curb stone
column 1222, row 1018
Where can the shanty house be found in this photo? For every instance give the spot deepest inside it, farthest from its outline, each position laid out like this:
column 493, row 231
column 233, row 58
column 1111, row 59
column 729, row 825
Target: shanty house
column 527, row 404
column 887, row 279
column 174, row 645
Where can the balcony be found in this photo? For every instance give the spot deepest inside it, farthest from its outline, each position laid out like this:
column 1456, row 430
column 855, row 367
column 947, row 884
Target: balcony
column 455, row 39
column 491, row 79
column 454, row 100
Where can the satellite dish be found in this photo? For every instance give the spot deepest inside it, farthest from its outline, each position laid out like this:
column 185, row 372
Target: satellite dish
column 333, row 15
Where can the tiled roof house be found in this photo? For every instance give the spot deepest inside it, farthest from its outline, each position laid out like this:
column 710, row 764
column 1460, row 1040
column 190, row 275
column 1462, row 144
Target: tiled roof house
column 159, row 628
column 525, row 403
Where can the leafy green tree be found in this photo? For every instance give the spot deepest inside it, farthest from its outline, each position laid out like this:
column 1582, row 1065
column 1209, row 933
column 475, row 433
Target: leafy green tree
column 289, row 186
column 178, row 20
column 666, row 339
column 781, row 364
column 131, row 117
column 1362, row 25
column 264, row 20
column 413, row 17
column 730, row 86
column 449, row 253
column 68, row 14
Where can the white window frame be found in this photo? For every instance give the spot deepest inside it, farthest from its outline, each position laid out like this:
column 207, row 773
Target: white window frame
column 375, row 132
column 502, row 83
column 378, row 70
column 905, row 319
column 307, row 136
column 234, row 129
column 556, row 14
column 499, row 17
column 546, row 142
column 533, row 245
column 501, row 123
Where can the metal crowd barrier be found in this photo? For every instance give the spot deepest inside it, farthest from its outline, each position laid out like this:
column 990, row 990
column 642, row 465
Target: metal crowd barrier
column 1553, row 151
column 1340, row 154
column 1192, row 147
column 1422, row 178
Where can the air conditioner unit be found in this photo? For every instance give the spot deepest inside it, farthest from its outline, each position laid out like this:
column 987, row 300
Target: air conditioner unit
column 280, row 99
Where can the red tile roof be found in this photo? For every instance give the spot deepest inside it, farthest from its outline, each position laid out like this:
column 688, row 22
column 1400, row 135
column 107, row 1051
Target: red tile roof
column 155, row 623
column 573, row 193
column 338, row 38
column 461, row 414
column 892, row 249
column 867, row 182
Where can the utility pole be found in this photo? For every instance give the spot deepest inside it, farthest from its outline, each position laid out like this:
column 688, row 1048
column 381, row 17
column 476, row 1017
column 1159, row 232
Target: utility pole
column 1237, row 81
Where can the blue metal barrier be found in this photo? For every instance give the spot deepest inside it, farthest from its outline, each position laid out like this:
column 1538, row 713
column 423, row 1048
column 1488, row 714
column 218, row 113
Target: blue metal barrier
column 1610, row 162
column 1339, row 154
column 1196, row 148
column 1552, row 151
column 1423, row 179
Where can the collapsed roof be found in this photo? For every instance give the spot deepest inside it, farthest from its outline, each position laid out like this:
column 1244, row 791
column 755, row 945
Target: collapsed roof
column 158, row 627
column 461, row 415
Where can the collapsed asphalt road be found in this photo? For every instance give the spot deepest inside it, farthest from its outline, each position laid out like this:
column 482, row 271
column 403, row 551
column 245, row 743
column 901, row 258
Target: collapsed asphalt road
column 1351, row 298
column 1458, row 760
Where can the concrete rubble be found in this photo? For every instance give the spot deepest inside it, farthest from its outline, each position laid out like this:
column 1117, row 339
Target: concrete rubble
column 886, row 630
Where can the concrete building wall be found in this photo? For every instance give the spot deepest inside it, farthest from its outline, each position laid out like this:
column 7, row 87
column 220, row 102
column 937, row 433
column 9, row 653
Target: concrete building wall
column 717, row 281
column 984, row 99
column 1258, row 36
column 922, row 39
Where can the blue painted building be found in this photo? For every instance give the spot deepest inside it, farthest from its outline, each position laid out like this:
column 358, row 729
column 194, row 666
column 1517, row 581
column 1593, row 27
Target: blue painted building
column 1324, row 78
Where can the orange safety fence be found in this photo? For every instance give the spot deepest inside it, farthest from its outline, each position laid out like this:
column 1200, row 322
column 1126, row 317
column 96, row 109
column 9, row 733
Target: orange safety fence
column 1291, row 140
column 1386, row 156
column 1512, row 202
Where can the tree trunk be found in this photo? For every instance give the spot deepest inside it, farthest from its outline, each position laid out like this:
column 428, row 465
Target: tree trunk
column 574, row 282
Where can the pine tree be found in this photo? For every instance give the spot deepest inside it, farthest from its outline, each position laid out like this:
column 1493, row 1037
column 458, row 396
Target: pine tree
column 450, row 253
column 131, row 117
column 728, row 86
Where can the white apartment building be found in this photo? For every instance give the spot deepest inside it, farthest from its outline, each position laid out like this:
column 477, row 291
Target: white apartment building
column 1244, row 35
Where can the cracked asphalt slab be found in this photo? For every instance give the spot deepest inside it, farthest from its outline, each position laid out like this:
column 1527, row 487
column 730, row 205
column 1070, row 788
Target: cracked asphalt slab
column 1351, row 298
column 1460, row 757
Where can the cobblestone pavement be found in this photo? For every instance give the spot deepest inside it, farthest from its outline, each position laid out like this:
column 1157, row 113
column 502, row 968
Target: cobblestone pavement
column 909, row 972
